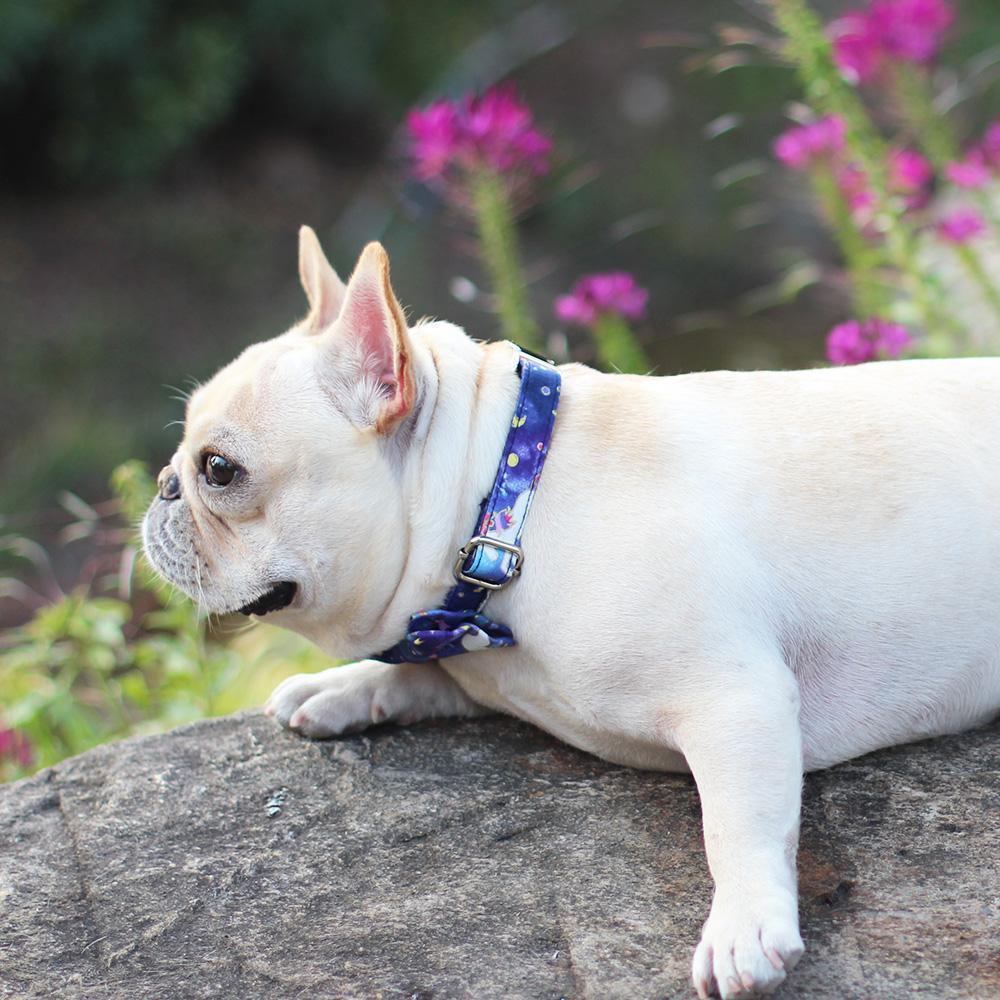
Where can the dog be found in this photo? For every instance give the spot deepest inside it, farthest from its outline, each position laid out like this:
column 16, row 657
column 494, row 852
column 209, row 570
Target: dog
column 744, row 575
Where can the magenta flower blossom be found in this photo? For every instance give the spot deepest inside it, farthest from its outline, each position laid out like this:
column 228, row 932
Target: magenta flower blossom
column 494, row 131
column 595, row 295
column 802, row 145
column 909, row 170
column 16, row 747
column 855, row 342
column 911, row 30
column 434, row 138
column 990, row 146
column 911, row 175
column 864, row 41
column 971, row 172
column 857, row 49
column 960, row 226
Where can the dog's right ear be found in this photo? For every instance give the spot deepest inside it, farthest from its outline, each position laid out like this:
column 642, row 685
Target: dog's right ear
column 324, row 290
column 373, row 330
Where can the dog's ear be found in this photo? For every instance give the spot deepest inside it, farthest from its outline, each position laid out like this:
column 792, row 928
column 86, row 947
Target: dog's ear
column 324, row 290
column 373, row 328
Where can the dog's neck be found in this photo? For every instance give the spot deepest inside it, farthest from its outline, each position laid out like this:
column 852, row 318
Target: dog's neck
column 467, row 393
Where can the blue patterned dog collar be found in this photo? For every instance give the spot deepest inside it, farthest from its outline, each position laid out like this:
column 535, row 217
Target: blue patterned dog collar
column 492, row 557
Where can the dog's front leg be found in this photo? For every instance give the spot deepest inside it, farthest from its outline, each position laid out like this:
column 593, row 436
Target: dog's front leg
column 357, row 695
column 743, row 745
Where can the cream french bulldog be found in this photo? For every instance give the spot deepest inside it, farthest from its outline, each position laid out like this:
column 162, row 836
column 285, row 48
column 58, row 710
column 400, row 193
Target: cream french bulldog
column 744, row 575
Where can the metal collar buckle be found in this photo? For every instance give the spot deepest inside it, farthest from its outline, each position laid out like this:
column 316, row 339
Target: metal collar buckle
column 465, row 552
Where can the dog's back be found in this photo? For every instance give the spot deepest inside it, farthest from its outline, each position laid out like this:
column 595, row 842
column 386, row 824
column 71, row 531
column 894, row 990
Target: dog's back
column 852, row 515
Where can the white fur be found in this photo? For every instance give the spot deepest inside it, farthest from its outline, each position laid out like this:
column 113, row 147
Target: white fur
column 746, row 575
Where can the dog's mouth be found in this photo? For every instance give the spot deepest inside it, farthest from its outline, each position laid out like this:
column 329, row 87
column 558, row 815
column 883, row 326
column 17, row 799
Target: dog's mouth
column 279, row 596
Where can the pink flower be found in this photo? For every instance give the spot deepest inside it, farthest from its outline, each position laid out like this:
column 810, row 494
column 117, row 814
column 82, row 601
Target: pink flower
column 909, row 170
column 889, row 30
column 501, row 130
column 800, row 146
column 990, row 146
column 434, row 137
column 857, row 49
column 16, row 747
column 910, row 175
column 595, row 295
column 960, row 226
column 854, row 342
column 911, row 30
column 494, row 130
column 971, row 172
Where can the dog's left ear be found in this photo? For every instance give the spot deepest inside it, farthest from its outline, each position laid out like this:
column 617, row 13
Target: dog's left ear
column 324, row 290
column 372, row 322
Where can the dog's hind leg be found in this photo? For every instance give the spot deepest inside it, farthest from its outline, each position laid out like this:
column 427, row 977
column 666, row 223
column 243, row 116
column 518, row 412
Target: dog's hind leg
column 743, row 744
column 353, row 697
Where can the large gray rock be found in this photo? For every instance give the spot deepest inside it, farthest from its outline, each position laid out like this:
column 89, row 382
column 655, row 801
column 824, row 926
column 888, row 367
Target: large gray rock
column 482, row 859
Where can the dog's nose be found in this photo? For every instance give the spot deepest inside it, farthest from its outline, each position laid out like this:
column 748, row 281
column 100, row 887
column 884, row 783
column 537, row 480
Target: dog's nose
column 168, row 484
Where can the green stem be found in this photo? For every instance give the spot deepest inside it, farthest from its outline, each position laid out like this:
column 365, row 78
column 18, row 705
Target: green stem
column 810, row 50
column 974, row 266
column 929, row 127
column 861, row 258
column 617, row 347
column 498, row 243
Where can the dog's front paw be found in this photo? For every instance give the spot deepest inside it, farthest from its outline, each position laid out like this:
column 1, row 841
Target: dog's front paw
column 746, row 948
column 335, row 701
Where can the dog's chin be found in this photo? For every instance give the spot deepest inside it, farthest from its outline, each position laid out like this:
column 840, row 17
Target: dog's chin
column 275, row 598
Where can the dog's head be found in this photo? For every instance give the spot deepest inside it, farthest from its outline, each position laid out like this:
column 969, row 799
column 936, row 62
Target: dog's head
column 280, row 494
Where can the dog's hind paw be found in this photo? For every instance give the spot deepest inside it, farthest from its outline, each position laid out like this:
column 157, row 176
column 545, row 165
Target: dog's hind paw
column 746, row 950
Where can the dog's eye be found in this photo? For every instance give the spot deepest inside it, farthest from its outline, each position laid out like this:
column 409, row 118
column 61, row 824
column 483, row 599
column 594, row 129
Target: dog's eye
column 219, row 471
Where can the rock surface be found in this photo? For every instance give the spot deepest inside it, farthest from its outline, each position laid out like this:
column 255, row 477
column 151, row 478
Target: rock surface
column 482, row 859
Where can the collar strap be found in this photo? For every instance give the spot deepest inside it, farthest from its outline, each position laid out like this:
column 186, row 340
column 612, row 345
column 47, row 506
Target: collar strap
column 492, row 557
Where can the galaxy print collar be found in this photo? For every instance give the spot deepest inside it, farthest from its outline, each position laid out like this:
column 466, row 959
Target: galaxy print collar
column 492, row 557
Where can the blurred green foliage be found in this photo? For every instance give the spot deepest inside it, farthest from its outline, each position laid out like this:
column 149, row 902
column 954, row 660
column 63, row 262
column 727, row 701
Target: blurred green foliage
column 124, row 655
column 111, row 90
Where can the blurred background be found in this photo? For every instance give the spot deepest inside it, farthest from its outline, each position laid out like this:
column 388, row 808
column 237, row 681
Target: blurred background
column 158, row 156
